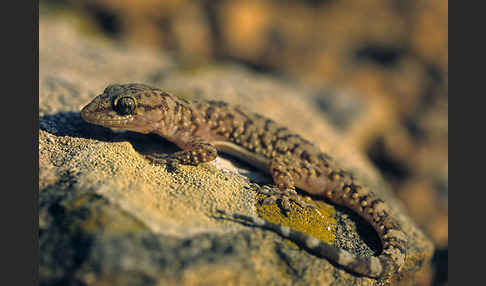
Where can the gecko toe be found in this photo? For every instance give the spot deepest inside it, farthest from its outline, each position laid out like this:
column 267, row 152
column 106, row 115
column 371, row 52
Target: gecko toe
column 283, row 198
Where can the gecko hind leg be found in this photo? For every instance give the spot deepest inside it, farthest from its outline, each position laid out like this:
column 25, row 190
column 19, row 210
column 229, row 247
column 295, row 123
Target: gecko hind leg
column 284, row 189
column 194, row 153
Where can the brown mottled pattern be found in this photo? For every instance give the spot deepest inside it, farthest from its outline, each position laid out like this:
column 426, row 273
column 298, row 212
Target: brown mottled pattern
column 201, row 128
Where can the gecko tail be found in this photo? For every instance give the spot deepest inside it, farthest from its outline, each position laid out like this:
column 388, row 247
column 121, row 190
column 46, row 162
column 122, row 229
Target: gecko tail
column 373, row 266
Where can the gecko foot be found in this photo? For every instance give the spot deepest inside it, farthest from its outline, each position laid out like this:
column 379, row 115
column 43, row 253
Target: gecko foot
column 282, row 197
column 163, row 159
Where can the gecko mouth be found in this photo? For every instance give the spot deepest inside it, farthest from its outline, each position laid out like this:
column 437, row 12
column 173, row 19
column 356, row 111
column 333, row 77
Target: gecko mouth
column 103, row 120
column 127, row 122
column 110, row 123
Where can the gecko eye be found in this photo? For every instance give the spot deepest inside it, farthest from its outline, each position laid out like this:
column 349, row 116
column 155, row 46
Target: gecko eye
column 125, row 105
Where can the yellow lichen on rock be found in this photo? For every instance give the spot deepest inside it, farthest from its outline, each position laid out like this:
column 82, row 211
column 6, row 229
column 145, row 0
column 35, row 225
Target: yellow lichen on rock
column 318, row 222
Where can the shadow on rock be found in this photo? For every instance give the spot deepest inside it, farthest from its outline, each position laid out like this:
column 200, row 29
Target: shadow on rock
column 71, row 124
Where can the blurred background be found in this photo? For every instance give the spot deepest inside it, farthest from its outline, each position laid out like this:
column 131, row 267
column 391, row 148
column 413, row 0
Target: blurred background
column 391, row 54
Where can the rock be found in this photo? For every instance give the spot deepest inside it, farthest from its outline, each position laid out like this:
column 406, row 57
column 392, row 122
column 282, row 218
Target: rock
column 108, row 216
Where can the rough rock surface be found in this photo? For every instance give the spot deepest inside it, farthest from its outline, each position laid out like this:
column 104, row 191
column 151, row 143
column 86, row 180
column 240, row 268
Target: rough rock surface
column 109, row 217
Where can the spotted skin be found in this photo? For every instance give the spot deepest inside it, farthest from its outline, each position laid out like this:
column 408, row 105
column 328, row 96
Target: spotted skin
column 202, row 128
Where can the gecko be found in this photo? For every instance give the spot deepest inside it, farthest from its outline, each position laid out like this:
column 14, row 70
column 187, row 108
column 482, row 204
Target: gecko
column 202, row 128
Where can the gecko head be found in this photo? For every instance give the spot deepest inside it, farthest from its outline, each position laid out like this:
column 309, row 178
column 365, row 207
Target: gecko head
column 135, row 107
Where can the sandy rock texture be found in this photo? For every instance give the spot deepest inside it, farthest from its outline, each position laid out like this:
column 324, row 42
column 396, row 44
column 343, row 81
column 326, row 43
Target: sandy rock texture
column 109, row 217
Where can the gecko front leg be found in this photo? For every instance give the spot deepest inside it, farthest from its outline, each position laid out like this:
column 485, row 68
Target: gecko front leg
column 195, row 152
